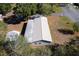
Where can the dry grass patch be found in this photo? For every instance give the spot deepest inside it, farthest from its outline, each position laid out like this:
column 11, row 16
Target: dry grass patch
column 55, row 23
column 65, row 22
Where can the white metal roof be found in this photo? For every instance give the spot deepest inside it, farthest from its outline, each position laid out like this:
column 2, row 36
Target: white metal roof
column 12, row 35
column 29, row 30
column 38, row 29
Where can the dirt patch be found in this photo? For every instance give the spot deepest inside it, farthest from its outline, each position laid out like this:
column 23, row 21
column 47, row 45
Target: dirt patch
column 17, row 27
column 54, row 25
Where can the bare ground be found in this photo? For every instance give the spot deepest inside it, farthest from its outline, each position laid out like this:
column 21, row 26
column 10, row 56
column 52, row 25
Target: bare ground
column 17, row 27
column 57, row 37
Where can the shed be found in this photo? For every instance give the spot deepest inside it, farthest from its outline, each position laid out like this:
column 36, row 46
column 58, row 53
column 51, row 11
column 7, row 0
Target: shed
column 12, row 35
column 12, row 38
column 38, row 32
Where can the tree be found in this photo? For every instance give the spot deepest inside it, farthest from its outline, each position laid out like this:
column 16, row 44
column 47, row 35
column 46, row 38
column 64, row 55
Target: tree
column 24, row 49
column 4, row 8
column 26, row 9
column 69, row 49
column 56, row 8
column 45, row 9
column 31, row 9
column 2, row 50
column 3, row 30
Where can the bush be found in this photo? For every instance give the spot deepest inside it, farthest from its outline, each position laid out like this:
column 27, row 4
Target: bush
column 76, row 27
column 4, row 8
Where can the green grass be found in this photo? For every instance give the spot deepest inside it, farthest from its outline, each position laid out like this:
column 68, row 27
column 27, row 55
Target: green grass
column 2, row 26
column 65, row 22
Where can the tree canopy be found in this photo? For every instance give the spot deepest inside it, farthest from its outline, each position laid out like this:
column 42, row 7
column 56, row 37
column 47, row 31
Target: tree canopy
column 4, row 8
column 31, row 9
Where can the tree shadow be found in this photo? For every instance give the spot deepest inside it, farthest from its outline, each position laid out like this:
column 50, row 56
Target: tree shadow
column 66, row 31
column 14, row 19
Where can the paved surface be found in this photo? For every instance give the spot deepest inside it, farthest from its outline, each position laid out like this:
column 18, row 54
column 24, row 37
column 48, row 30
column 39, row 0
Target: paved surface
column 70, row 12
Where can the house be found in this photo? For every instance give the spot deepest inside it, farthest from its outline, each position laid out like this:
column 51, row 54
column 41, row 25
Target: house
column 37, row 31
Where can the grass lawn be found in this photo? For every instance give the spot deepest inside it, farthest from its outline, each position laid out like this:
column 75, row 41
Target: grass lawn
column 65, row 22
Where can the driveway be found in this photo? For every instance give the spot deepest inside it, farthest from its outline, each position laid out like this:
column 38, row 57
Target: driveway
column 70, row 12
